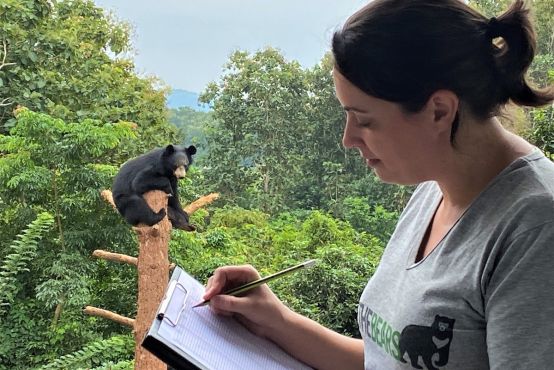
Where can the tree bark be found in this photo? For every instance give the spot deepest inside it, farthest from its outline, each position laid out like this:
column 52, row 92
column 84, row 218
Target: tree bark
column 153, row 276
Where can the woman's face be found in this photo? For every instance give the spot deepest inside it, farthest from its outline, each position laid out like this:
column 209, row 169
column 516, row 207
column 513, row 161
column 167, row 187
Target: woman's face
column 402, row 148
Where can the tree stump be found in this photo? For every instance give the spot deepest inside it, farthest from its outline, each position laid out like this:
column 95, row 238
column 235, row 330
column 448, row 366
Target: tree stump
column 153, row 277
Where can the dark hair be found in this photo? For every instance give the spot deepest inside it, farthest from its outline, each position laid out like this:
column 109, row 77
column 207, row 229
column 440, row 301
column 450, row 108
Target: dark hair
column 405, row 50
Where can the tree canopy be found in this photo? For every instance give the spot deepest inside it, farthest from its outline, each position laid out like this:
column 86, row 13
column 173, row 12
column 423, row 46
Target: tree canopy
column 70, row 59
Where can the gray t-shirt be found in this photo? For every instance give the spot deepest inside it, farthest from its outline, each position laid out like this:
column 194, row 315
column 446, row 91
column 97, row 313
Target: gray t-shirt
column 484, row 297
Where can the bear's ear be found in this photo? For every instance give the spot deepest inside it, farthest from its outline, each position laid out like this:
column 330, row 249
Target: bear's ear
column 170, row 149
column 191, row 150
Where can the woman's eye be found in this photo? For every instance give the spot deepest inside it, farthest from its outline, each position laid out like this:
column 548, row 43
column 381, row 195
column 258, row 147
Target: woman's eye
column 363, row 121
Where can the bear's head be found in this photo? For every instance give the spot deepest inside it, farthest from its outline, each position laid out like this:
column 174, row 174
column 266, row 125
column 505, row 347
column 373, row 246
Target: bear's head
column 177, row 159
column 442, row 327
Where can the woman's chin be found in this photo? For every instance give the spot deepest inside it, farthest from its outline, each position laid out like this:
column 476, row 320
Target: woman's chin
column 372, row 163
column 392, row 178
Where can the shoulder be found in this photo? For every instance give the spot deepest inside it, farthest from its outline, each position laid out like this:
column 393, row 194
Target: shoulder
column 519, row 198
column 518, row 215
column 423, row 194
column 528, row 192
column 423, row 197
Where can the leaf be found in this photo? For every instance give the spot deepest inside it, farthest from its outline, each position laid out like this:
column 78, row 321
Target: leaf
column 23, row 251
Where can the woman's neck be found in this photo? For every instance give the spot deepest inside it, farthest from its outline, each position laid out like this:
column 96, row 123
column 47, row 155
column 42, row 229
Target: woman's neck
column 481, row 151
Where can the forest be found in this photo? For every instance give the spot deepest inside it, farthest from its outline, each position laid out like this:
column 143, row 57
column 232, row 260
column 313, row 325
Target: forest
column 73, row 110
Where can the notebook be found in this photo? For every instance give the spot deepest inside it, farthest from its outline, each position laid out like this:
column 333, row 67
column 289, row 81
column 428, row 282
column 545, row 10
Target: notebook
column 187, row 338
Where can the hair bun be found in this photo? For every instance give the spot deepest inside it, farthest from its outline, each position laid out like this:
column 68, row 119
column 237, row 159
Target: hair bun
column 494, row 28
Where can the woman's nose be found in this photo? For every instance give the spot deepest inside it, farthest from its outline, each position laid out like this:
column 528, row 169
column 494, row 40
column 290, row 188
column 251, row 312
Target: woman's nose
column 348, row 138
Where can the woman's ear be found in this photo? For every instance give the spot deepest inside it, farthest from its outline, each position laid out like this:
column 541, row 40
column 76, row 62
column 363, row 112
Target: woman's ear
column 443, row 105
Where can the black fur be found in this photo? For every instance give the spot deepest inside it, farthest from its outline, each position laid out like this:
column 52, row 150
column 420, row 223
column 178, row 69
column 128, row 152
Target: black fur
column 154, row 170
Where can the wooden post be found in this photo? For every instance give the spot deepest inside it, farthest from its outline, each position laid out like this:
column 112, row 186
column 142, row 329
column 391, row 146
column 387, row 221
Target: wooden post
column 153, row 276
column 153, row 273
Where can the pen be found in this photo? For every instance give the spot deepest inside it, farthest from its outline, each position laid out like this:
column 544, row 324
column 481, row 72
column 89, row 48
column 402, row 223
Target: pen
column 255, row 283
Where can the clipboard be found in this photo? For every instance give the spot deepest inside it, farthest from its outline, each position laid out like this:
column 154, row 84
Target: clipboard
column 225, row 343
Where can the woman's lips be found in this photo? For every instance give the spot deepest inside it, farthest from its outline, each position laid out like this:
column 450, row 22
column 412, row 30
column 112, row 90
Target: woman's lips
column 372, row 162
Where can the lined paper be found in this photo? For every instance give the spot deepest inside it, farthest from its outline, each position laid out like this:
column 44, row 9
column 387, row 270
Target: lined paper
column 217, row 342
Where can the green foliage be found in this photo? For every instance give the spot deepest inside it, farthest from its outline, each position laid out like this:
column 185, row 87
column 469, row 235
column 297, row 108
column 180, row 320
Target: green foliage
column 237, row 217
column 59, row 167
column 67, row 281
column 327, row 169
column 216, row 238
column 321, row 230
column 275, row 137
column 23, row 332
column 329, row 292
column 377, row 221
column 121, row 365
column 54, row 165
column 23, row 250
column 95, row 353
column 542, row 131
column 258, row 111
column 69, row 59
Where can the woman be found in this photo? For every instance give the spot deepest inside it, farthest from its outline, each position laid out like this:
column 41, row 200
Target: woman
column 466, row 280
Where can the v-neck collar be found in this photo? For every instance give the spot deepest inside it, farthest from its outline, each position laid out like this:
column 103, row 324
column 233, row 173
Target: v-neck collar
column 418, row 239
column 437, row 198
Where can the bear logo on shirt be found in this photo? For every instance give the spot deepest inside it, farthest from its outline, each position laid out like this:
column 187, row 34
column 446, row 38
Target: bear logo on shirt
column 426, row 341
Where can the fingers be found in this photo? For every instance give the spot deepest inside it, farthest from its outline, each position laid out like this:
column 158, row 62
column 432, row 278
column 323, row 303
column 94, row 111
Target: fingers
column 208, row 285
column 229, row 305
column 219, row 311
column 229, row 276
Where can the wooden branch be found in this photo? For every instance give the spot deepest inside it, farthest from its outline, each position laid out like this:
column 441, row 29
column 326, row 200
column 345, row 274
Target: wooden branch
column 4, row 64
column 5, row 102
column 109, row 256
column 123, row 258
column 201, row 202
column 108, row 197
column 190, row 209
column 93, row 311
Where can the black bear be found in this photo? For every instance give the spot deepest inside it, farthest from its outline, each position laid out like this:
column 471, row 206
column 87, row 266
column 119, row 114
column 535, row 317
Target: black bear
column 158, row 169
column 422, row 341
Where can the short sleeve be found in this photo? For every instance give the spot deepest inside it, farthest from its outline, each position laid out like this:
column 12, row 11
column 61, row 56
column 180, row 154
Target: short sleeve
column 519, row 302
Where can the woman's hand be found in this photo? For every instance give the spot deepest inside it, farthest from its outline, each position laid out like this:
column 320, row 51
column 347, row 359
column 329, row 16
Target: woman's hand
column 259, row 309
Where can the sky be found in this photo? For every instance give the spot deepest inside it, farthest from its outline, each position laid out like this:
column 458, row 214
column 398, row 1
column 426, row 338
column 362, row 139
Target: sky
column 186, row 42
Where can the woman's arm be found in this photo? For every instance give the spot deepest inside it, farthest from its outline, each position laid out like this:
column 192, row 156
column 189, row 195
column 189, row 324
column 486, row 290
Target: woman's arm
column 316, row 345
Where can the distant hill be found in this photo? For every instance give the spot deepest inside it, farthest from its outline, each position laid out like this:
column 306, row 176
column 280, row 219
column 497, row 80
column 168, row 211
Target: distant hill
column 182, row 98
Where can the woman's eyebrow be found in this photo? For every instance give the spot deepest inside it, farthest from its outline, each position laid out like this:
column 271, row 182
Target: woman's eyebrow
column 353, row 109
